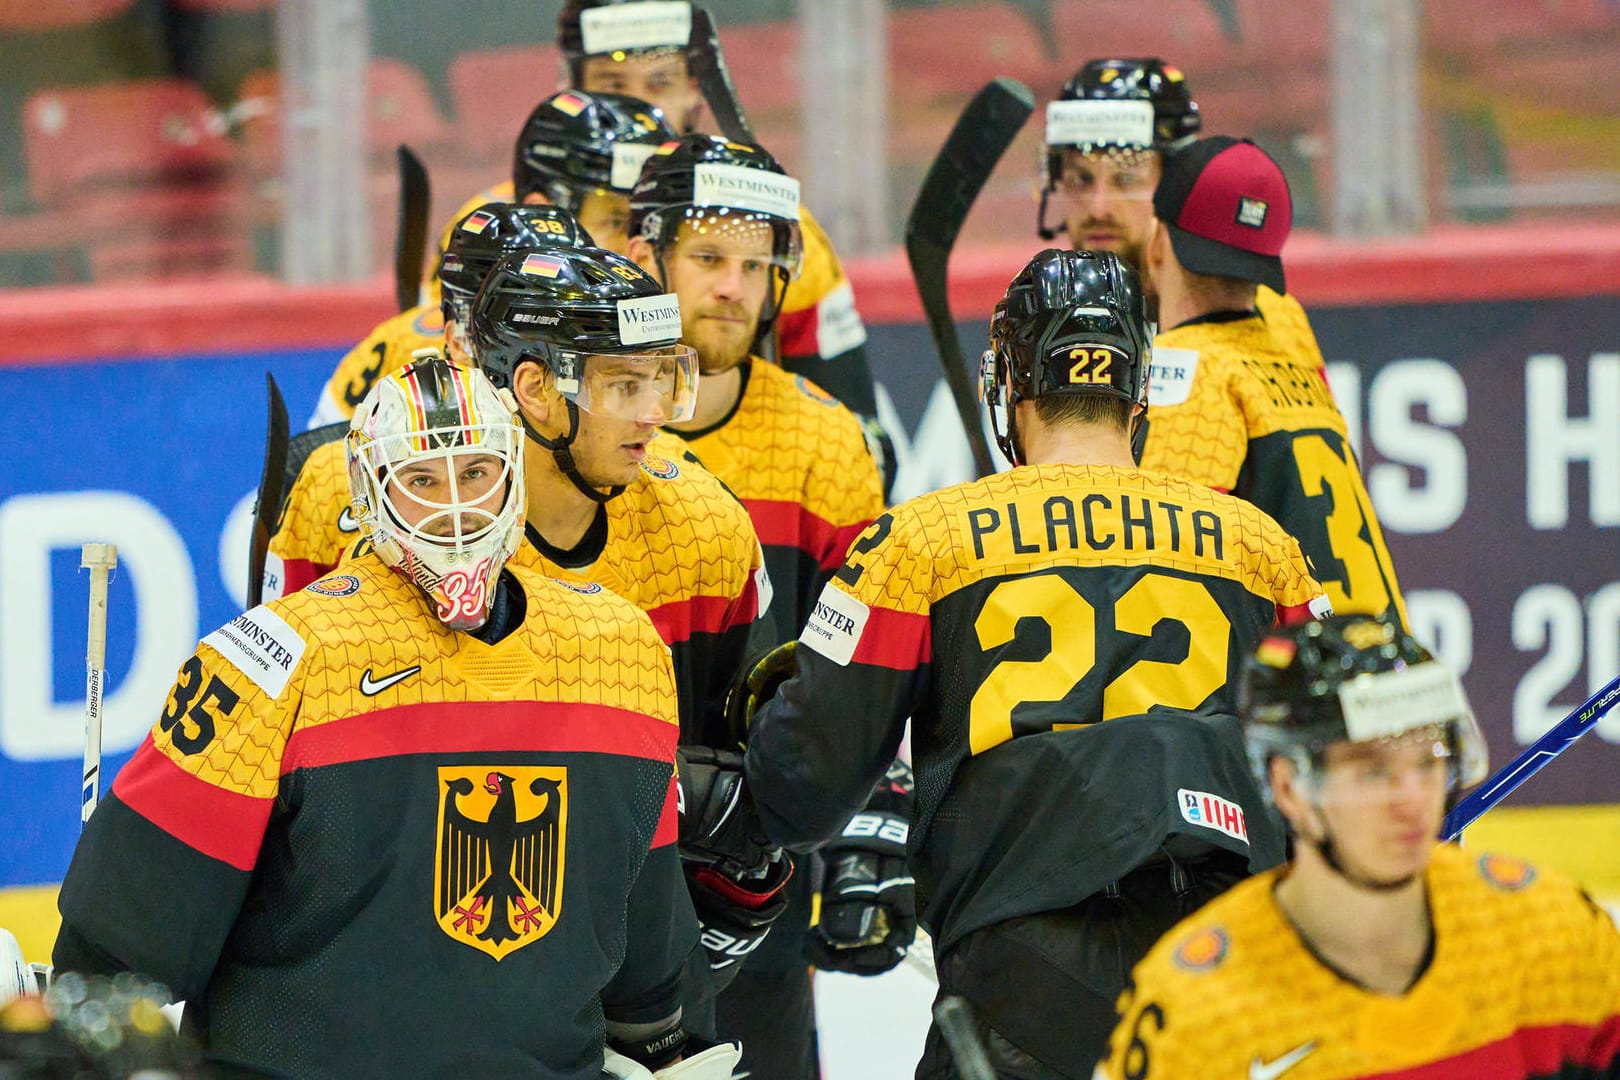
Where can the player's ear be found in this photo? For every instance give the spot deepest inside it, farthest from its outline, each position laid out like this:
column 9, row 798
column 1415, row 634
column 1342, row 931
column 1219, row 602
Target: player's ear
column 1284, row 779
column 642, row 254
column 531, row 387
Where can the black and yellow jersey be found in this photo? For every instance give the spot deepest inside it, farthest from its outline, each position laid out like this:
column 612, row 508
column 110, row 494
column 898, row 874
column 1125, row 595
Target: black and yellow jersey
column 1066, row 641
column 341, row 794
column 799, row 462
column 675, row 543
column 385, row 350
column 1523, row 984
column 1232, row 405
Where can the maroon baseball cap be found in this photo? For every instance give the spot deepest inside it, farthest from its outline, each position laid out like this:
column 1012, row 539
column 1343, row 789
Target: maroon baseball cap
column 1227, row 207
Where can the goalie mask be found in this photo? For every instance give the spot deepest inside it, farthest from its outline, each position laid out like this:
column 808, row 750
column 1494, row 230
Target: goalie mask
column 435, row 462
column 1125, row 107
column 1071, row 322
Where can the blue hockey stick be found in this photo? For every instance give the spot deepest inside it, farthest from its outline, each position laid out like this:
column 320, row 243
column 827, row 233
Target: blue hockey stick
column 1531, row 761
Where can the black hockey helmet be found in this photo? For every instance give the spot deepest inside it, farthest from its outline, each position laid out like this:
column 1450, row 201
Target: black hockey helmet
column 575, row 143
column 1119, row 105
column 1071, row 322
column 617, row 27
column 1351, row 678
column 567, row 307
column 716, row 184
column 479, row 240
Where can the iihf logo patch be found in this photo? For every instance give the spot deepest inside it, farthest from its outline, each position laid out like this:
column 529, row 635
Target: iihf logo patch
column 1506, row 873
column 1251, row 212
column 337, row 585
column 584, row 588
column 662, row 468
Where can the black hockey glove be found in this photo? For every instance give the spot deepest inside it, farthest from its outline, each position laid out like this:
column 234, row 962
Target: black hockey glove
column 868, row 897
column 758, row 686
column 735, row 874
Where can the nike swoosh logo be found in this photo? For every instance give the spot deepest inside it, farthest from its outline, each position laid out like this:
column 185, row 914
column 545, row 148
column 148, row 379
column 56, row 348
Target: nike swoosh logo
column 1260, row 1070
column 346, row 522
column 372, row 687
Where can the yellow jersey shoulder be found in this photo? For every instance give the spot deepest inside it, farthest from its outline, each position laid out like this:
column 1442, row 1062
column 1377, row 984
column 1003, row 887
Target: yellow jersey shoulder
column 383, row 351
column 800, row 444
column 821, row 273
column 317, row 520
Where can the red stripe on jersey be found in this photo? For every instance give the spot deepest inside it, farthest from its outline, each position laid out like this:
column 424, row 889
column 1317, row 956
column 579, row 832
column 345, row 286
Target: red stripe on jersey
column 780, row 523
column 1293, row 616
column 521, row 727
column 224, row 825
column 798, row 332
column 669, row 822
column 297, row 573
column 1528, row 1052
column 678, row 621
column 895, row 639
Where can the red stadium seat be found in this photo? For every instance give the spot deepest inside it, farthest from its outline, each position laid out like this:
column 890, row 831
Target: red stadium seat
column 168, row 259
column 399, row 109
column 494, row 91
column 1464, row 26
column 1183, row 33
column 120, row 134
column 764, row 63
column 225, row 5
column 28, row 16
column 952, row 51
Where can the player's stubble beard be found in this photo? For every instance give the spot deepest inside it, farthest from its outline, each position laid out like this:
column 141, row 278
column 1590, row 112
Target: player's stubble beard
column 721, row 346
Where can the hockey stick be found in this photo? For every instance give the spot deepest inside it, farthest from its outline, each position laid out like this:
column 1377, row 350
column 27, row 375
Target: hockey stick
column 982, row 134
column 1534, row 758
column 267, row 508
column 410, row 237
column 714, row 78
column 100, row 560
column 955, row 1019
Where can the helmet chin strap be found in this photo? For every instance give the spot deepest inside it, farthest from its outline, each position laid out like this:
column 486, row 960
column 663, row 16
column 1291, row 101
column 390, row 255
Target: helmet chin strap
column 1329, row 852
column 564, row 457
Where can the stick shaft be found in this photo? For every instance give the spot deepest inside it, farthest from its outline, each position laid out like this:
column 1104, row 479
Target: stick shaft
column 1532, row 760
column 100, row 559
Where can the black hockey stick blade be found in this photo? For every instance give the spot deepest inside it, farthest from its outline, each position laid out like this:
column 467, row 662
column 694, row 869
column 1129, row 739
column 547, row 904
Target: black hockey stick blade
column 981, row 136
column 714, row 79
column 272, row 481
column 410, row 239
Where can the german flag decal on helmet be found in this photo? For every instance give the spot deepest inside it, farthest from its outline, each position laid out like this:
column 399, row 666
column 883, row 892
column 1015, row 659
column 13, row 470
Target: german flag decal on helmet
column 498, row 872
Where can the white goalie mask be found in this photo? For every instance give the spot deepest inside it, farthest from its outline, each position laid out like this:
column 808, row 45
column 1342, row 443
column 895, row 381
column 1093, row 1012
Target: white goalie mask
column 436, row 475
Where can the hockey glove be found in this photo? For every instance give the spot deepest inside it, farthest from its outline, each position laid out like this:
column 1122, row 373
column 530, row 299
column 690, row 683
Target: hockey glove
column 715, row 1063
column 757, row 687
column 733, row 871
column 868, row 897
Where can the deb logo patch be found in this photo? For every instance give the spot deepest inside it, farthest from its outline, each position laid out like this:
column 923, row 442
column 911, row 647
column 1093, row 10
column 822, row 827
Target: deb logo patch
column 1204, row 951
column 1213, row 812
column 835, row 626
column 1170, row 377
column 1506, row 873
column 336, row 585
column 812, row 391
column 662, row 468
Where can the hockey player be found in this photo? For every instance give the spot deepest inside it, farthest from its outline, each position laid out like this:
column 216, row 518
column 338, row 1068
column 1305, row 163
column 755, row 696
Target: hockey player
column 586, row 344
column 1376, row 951
column 647, row 50
column 1106, row 137
column 717, row 223
column 1065, row 639
column 471, row 245
column 419, row 817
column 1230, row 406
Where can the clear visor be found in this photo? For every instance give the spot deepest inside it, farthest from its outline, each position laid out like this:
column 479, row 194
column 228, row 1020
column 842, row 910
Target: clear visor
column 752, row 241
column 1422, row 762
column 1120, row 172
column 654, row 386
